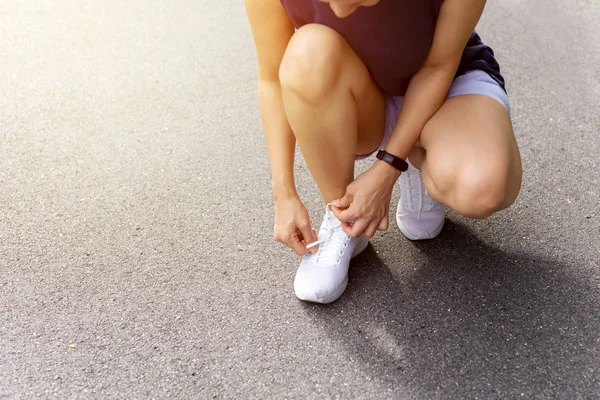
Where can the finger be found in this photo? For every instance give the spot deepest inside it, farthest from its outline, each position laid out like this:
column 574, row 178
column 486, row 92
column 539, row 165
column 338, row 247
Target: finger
column 295, row 243
column 371, row 230
column 346, row 226
column 384, row 224
column 298, row 248
column 308, row 236
column 344, row 215
column 315, row 247
column 344, row 202
column 358, row 228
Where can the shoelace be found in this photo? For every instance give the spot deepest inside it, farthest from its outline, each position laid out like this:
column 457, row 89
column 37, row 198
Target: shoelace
column 332, row 240
column 414, row 193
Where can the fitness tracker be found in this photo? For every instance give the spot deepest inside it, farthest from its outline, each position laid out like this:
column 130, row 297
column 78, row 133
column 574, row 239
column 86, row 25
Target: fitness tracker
column 391, row 159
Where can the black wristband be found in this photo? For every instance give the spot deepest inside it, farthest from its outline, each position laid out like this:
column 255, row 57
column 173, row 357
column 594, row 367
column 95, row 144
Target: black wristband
column 391, row 159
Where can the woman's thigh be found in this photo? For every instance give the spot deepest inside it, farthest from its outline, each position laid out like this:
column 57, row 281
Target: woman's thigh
column 472, row 161
column 319, row 64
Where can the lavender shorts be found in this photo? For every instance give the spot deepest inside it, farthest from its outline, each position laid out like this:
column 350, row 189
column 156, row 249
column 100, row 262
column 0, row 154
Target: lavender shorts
column 473, row 82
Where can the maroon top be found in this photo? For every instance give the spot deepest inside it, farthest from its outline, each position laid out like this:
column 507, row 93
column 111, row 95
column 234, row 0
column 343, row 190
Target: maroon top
column 392, row 38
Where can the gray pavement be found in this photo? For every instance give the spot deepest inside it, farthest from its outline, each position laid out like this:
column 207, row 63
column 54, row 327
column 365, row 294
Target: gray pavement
column 136, row 253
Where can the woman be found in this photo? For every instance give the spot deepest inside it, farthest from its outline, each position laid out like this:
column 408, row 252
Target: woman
column 410, row 78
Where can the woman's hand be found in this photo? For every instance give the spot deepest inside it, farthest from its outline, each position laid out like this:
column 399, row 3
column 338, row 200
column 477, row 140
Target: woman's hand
column 367, row 201
column 293, row 226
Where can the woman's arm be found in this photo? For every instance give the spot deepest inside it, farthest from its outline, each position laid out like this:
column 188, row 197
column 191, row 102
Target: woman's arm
column 425, row 95
column 429, row 86
column 272, row 30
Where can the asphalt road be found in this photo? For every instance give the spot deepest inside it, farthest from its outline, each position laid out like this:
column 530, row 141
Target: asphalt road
column 136, row 244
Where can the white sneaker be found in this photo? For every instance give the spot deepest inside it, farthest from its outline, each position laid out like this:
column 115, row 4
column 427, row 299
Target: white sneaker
column 323, row 277
column 418, row 216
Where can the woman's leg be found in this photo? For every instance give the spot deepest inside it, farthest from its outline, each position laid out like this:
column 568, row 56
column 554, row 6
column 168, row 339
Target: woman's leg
column 332, row 104
column 469, row 156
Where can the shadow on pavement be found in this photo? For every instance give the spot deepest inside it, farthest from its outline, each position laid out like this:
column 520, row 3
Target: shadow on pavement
column 470, row 320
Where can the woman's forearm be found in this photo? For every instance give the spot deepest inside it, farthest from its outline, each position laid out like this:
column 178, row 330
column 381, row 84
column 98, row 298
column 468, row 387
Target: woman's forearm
column 280, row 139
column 425, row 95
column 429, row 86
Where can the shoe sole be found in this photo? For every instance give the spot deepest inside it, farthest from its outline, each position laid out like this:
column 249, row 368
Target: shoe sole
column 338, row 293
column 413, row 237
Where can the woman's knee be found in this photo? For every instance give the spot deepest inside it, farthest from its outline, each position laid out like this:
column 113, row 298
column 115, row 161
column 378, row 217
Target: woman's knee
column 312, row 62
column 477, row 190
column 481, row 191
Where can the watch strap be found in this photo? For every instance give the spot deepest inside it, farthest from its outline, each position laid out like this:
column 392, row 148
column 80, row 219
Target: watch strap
column 391, row 159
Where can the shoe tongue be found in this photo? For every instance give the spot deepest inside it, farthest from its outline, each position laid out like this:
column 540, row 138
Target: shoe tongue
column 332, row 223
column 330, row 219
